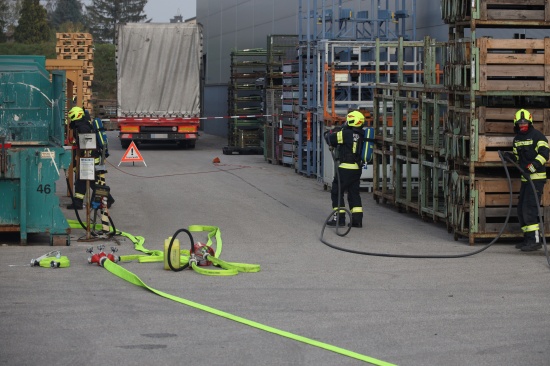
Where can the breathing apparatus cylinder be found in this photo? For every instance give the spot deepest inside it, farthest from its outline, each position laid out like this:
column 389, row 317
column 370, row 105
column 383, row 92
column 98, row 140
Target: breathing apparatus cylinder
column 174, row 253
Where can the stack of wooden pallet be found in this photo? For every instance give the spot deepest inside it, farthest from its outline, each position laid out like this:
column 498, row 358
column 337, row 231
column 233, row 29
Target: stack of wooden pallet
column 78, row 46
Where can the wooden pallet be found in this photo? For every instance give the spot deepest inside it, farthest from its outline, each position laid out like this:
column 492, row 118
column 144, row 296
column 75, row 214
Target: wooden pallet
column 514, row 64
column 73, row 36
column 81, row 50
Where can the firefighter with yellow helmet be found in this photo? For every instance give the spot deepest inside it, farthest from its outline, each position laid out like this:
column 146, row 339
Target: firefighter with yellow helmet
column 348, row 141
column 81, row 123
column 530, row 150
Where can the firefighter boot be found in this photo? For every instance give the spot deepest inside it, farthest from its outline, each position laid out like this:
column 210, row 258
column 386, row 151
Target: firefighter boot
column 533, row 242
column 357, row 219
column 522, row 243
column 341, row 219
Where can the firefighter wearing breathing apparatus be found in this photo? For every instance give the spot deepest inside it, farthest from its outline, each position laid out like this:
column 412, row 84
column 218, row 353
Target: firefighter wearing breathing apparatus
column 348, row 142
column 81, row 123
column 530, row 150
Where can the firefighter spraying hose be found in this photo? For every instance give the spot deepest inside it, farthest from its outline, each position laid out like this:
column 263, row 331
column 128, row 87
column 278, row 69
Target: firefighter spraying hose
column 340, row 209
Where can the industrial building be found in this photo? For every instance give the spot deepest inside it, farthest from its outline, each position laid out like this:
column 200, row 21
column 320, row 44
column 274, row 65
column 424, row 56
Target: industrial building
column 437, row 80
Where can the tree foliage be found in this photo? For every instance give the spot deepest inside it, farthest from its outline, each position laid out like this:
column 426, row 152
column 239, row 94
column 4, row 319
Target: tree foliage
column 33, row 23
column 105, row 82
column 103, row 16
column 9, row 15
column 67, row 11
column 4, row 8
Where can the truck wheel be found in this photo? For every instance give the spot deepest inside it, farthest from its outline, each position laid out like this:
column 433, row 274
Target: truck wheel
column 124, row 143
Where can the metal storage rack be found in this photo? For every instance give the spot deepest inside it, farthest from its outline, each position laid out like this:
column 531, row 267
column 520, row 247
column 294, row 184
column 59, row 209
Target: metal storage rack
column 290, row 113
column 409, row 158
column 325, row 98
column 280, row 49
column 245, row 132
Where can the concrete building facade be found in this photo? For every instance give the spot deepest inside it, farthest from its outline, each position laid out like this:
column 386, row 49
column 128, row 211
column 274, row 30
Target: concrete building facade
column 242, row 24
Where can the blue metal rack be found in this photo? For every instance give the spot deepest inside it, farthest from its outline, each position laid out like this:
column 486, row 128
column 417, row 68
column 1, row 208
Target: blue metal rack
column 322, row 21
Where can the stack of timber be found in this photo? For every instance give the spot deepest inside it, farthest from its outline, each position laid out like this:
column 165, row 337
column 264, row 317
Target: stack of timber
column 488, row 79
column 78, row 46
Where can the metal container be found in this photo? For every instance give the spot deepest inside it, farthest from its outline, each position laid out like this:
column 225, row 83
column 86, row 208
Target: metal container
column 32, row 155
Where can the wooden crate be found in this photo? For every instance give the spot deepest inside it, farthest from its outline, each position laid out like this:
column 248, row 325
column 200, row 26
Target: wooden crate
column 514, row 64
column 500, row 121
column 515, row 10
column 497, row 12
column 493, row 198
column 487, row 147
column 494, row 192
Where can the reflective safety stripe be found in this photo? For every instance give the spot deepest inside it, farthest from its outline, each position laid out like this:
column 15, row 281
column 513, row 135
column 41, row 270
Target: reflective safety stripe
column 340, row 211
column 349, row 166
column 97, row 161
column 356, row 209
column 530, row 228
column 80, row 196
column 340, row 137
column 541, row 159
column 542, row 143
column 534, row 176
column 524, row 143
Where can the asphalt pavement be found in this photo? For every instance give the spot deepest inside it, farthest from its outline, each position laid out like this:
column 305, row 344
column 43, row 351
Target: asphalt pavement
column 310, row 304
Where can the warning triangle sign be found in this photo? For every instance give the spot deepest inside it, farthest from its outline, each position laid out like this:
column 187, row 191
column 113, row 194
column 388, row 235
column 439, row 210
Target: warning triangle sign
column 132, row 155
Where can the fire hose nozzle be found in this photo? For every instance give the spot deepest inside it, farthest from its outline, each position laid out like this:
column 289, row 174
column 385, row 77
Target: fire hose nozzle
column 53, row 253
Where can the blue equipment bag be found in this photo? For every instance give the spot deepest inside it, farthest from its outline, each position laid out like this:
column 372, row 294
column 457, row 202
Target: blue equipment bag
column 368, row 146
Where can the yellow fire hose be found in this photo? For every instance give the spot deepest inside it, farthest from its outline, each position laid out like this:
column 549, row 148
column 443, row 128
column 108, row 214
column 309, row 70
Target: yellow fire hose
column 157, row 256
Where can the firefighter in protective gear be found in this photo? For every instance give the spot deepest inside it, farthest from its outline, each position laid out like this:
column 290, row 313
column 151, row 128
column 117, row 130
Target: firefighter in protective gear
column 530, row 150
column 81, row 123
column 349, row 142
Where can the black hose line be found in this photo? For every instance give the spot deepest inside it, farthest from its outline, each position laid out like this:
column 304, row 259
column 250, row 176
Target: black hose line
column 443, row 256
column 111, row 234
column 169, row 250
column 74, row 203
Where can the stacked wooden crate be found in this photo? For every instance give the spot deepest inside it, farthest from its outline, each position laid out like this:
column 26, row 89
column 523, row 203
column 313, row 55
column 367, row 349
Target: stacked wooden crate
column 488, row 79
column 78, row 46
